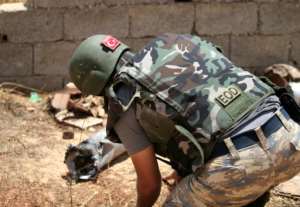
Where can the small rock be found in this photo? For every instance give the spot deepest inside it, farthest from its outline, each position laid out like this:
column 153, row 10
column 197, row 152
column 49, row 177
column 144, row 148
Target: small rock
column 31, row 109
column 68, row 135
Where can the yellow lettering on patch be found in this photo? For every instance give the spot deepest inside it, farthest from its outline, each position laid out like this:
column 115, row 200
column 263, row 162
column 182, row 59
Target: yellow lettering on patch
column 228, row 95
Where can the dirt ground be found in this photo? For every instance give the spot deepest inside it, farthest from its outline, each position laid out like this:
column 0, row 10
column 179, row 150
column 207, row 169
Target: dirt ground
column 31, row 162
column 32, row 169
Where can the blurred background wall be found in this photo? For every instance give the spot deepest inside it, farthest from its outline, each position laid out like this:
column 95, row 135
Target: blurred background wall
column 38, row 37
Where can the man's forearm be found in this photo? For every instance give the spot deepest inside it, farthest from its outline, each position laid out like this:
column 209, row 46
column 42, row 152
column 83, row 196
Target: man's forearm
column 147, row 196
column 148, row 176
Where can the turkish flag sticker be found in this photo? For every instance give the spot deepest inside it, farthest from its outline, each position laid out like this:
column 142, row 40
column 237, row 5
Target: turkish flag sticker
column 111, row 43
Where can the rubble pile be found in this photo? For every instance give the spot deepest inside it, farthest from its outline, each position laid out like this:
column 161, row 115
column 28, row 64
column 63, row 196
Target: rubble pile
column 72, row 108
column 285, row 75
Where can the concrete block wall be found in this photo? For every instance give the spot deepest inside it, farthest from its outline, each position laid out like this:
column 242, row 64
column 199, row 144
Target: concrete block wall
column 38, row 38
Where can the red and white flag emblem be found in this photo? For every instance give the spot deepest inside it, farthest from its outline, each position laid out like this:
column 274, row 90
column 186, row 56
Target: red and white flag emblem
column 111, row 42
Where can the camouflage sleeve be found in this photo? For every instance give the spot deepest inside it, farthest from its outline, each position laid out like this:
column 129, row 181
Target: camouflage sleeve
column 131, row 133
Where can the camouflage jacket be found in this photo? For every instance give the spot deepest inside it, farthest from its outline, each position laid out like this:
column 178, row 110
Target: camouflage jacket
column 188, row 94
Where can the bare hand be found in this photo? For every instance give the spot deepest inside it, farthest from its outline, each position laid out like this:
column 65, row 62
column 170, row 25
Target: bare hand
column 172, row 180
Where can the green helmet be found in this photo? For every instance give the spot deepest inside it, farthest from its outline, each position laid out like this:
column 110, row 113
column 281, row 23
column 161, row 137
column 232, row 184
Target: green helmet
column 94, row 61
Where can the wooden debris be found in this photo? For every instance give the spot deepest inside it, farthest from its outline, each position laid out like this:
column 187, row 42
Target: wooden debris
column 83, row 123
column 60, row 100
column 290, row 188
column 76, row 105
column 76, row 110
column 62, row 115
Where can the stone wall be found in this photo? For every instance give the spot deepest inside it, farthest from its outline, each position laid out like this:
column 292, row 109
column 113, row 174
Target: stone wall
column 36, row 40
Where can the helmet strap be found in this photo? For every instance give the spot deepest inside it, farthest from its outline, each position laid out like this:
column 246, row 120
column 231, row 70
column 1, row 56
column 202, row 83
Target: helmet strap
column 125, row 59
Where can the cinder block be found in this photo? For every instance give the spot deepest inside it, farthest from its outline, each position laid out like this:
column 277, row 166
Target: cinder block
column 15, row 59
column 270, row 1
column 280, row 18
column 222, row 41
column 92, row 3
column 53, row 58
column 66, row 3
column 32, row 26
column 47, row 83
column 136, row 44
column 258, row 51
column 7, row 79
column 80, row 24
column 29, row 4
column 134, row 2
column 221, row 18
column 235, row 1
column 66, row 80
column 216, row 1
column 296, row 49
column 258, row 70
column 152, row 20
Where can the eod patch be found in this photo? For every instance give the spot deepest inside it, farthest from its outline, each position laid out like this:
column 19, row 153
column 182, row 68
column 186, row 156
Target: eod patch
column 228, row 95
